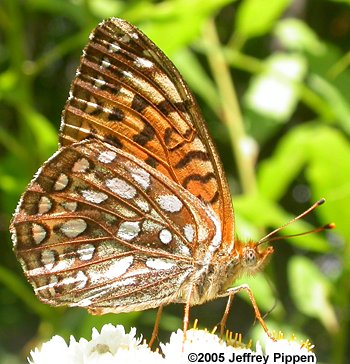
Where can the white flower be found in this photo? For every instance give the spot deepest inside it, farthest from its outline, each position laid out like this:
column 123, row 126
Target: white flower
column 113, row 345
column 53, row 351
column 283, row 351
column 198, row 342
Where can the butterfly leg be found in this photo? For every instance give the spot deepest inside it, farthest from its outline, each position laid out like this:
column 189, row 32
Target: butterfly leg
column 186, row 316
column 231, row 292
column 156, row 326
column 225, row 315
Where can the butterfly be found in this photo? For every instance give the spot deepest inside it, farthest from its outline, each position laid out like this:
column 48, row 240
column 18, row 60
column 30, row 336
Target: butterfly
column 133, row 211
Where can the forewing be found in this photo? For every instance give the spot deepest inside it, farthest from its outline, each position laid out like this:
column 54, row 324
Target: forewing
column 129, row 94
column 101, row 229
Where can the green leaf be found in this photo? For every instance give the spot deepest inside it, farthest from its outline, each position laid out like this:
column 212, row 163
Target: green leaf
column 43, row 131
column 8, row 81
column 256, row 17
column 306, row 145
column 174, row 25
column 277, row 173
column 329, row 175
column 105, row 8
column 310, row 291
column 335, row 100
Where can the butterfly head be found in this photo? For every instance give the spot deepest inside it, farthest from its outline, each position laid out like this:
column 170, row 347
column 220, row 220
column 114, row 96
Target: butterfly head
column 253, row 256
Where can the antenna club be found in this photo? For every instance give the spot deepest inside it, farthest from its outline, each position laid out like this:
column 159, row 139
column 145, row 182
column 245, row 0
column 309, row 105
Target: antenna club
column 321, row 201
column 330, row 226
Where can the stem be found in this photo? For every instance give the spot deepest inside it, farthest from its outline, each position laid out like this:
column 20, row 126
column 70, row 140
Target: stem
column 245, row 157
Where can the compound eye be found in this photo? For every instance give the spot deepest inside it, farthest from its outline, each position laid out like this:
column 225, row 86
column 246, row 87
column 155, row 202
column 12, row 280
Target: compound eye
column 250, row 257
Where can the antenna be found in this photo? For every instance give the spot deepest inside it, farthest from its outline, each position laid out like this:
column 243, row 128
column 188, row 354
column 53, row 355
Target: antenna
column 274, row 232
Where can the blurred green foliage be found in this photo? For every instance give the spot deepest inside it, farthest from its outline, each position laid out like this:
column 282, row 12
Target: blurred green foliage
column 286, row 64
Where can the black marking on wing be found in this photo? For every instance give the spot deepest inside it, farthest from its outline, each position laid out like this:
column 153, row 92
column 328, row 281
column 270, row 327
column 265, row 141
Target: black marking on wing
column 139, row 103
column 215, row 198
column 146, row 135
column 113, row 140
column 116, row 114
column 151, row 162
column 198, row 177
column 195, row 154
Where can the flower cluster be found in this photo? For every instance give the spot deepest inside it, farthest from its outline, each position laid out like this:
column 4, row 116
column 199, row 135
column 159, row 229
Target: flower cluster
column 113, row 345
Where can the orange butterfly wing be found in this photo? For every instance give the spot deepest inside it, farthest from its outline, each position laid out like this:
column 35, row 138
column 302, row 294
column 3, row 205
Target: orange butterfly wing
column 128, row 93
